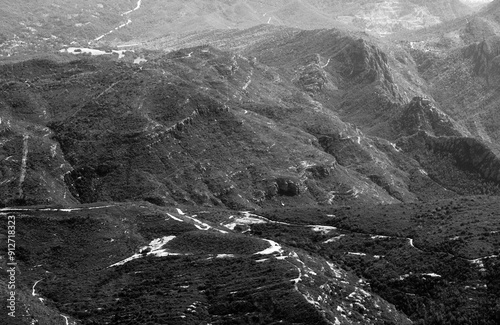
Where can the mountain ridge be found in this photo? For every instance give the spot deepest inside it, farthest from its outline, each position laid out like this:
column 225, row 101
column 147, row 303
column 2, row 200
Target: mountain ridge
column 117, row 23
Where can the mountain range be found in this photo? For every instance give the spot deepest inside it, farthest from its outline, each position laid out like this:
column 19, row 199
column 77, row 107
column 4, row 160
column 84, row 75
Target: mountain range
column 248, row 162
column 43, row 25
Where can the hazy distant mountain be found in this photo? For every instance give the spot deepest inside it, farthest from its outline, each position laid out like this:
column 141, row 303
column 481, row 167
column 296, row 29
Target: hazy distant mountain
column 45, row 25
column 476, row 4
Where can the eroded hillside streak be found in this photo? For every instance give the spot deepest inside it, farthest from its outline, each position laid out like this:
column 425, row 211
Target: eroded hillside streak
column 108, row 89
column 24, row 159
column 249, row 80
column 66, row 318
column 129, row 21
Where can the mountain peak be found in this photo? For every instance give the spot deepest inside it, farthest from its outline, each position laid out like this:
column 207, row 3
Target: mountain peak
column 422, row 115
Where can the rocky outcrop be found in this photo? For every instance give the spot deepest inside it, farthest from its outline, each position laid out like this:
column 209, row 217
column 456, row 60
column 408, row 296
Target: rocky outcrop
column 421, row 115
column 366, row 63
column 287, row 186
column 312, row 77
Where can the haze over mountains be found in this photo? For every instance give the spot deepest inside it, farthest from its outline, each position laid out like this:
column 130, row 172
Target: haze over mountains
column 363, row 136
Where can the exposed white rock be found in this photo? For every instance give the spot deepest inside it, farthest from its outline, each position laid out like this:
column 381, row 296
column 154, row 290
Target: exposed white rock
column 322, row 229
column 153, row 248
column 333, row 239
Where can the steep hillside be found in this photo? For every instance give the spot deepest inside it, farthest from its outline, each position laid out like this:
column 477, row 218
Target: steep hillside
column 463, row 83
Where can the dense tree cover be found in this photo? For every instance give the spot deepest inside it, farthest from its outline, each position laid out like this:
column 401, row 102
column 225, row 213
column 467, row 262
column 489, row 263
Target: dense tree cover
column 431, row 282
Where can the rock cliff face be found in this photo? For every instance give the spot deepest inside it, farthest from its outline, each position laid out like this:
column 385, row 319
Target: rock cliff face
column 312, row 77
